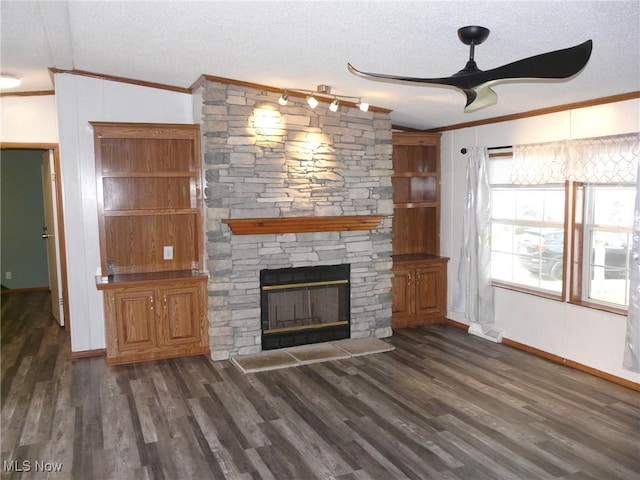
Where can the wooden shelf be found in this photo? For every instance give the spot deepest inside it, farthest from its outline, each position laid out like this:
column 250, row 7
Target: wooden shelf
column 149, row 175
column 264, row 226
column 154, row 212
column 416, row 205
column 151, row 278
column 414, row 174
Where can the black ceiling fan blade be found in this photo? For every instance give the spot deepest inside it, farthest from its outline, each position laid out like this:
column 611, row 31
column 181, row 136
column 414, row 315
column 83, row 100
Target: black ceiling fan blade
column 557, row 64
column 442, row 81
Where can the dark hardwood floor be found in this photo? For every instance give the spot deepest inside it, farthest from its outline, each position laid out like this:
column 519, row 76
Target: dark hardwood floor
column 443, row 405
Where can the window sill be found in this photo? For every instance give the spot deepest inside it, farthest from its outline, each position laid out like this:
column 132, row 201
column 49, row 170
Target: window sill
column 550, row 296
column 600, row 306
column 528, row 291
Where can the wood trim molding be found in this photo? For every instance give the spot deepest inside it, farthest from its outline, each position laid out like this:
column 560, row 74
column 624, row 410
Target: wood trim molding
column 114, row 78
column 460, row 325
column 98, row 352
column 264, row 226
column 542, row 111
column 557, row 359
column 28, row 94
column 570, row 363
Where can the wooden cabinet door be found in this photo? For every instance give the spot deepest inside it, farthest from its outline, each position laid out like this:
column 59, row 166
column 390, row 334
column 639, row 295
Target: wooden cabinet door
column 428, row 288
column 135, row 320
column 181, row 315
column 402, row 289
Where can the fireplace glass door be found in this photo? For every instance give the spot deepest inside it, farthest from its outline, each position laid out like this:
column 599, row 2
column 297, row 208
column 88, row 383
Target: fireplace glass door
column 304, row 305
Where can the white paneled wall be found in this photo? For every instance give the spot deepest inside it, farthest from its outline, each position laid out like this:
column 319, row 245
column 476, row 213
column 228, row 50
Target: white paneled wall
column 583, row 335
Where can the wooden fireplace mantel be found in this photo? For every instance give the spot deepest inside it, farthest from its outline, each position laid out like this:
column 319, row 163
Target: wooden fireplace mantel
column 263, row 226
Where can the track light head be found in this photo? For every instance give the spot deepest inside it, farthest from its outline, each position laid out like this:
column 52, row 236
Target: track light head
column 334, row 105
column 284, row 98
column 363, row 106
column 312, row 101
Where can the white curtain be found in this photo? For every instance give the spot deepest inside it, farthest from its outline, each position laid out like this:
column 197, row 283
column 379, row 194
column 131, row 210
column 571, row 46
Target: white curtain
column 474, row 293
column 632, row 340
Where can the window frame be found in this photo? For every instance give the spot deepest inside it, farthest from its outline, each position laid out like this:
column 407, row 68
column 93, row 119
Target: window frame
column 573, row 290
column 580, row 264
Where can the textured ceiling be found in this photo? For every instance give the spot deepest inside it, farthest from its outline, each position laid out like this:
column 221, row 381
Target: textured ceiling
column 304, row 44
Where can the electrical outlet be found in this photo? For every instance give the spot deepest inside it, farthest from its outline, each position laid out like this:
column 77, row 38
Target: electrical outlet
column 7, row 275
column 168, row 252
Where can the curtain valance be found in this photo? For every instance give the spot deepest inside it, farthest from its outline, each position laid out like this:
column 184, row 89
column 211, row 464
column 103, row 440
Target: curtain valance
column 611, row 159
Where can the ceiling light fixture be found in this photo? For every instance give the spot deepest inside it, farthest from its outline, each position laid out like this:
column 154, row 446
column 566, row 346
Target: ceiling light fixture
column 9, row 81
column 323, row 93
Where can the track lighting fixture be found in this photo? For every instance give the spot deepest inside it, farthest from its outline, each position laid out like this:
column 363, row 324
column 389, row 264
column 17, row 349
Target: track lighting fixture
column 323, row 92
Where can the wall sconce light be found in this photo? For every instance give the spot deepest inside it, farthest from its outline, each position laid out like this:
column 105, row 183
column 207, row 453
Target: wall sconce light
column 324, row 93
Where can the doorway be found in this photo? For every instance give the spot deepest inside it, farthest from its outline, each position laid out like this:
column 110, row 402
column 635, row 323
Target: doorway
column 48, row 199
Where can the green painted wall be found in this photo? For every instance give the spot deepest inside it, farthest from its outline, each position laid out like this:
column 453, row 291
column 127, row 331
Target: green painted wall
column 22, row 250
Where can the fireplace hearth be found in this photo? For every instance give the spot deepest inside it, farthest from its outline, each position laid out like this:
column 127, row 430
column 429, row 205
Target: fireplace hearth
column 304, row 305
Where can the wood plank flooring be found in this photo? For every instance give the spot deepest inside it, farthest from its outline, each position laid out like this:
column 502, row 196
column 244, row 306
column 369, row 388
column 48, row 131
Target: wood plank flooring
column 442, row 405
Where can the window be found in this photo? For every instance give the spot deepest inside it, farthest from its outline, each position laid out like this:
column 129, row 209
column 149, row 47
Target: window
column 527, row 236
column 565, row 239
column 608, row 221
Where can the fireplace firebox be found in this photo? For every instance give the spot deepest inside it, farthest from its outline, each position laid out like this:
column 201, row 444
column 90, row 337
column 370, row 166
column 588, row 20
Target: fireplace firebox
column 304, row 305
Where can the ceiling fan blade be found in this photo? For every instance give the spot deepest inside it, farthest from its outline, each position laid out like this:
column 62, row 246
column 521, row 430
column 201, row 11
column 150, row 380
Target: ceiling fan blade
column 443, row 81
column 557, row 64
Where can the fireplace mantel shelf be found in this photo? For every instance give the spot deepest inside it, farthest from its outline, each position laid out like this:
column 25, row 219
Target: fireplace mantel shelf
column 263, row 226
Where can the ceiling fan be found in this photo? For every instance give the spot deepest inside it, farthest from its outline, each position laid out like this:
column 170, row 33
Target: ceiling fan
column 476, row 83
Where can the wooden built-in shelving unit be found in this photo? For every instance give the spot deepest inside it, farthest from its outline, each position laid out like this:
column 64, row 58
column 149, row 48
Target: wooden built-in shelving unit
column 419, row 283
column 151, row 241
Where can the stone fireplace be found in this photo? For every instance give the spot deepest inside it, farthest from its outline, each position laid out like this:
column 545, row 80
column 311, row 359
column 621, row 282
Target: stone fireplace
column 292, row 187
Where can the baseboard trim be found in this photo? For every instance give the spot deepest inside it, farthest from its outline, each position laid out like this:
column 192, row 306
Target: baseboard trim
column 460, row 325
column 24, row 290
column 557, row 359
column 570, row 363
column 88, row 353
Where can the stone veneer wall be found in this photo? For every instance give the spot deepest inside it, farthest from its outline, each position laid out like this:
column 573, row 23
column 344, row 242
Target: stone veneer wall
column 266, row 160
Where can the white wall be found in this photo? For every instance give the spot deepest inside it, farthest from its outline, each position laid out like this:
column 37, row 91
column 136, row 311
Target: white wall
column 580, row 334
column 80, row 100
column 29, row 119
